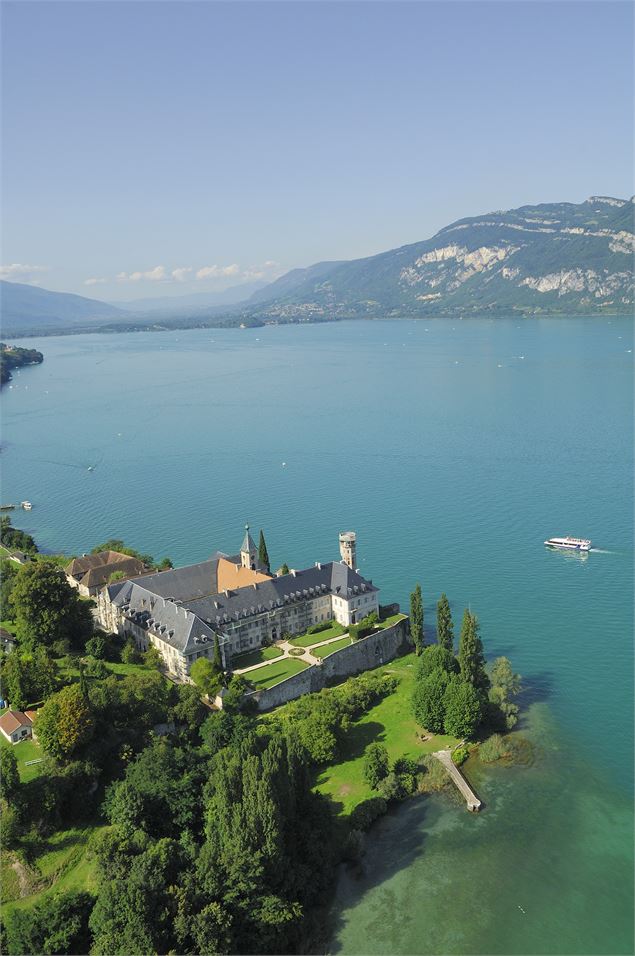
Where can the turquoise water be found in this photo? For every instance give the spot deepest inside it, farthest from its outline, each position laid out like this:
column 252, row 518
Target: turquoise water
column 453, row 450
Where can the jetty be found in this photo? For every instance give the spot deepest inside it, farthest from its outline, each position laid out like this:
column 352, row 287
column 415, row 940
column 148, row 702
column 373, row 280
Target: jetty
column 445, row 757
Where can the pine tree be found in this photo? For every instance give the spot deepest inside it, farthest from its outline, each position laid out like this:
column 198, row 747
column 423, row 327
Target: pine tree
column 263, row 554
column 445, row 626
column 416, row 618
column 471, row 658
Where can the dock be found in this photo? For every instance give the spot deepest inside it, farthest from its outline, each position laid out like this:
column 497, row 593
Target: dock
column 473, row 802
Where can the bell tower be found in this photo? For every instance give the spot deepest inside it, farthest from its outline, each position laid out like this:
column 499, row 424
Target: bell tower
column 248, row 551
column 348, row 548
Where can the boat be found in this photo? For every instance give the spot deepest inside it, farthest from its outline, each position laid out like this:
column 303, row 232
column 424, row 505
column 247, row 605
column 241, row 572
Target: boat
column 569, row 544
column 26, row 505
column 7, row 507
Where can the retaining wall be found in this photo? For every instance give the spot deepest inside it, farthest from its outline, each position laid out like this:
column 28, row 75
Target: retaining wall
column 362, row 655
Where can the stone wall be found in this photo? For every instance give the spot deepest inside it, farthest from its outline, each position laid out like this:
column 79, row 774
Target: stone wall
column 369, row 652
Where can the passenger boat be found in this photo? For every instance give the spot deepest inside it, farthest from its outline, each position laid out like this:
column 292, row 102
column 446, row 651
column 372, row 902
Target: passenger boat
column 570, row 544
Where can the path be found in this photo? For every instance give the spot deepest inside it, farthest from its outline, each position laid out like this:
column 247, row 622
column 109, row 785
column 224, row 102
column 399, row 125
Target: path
column 445, row 757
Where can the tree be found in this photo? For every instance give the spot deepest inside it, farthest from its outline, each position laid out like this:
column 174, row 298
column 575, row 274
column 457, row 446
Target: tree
column 428, row 700
column 28, row 677
column 217, row 659
column 188, row 708
column 47, row 608
column 434, row 657
column 65, row 723
column 471, row 658
column 263, row 554
column 416, row 618
column 463, row 708
column 97, row 647
column 504, row 678
column 445, row 626
column 59, row 924
column 9, row 776
column 8, row 575
column 130, row 654
column 284, row 569
column 206, row 676
column 375, row 765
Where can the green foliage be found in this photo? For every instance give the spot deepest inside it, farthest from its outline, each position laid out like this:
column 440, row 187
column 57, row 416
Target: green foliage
column 375, row 765
column 59, row 924
column 188, row 708
column 471, row 658
column 391, row 787
column 206, row 676
column 321, row 626
column 152, row 658
column 47, row 608
column 97, row 647
column 8, row 575
column 15, row 540
column 284, row 569
column 503, row 677
column 505, row 684
column 129, row 653
column 445, row 626
column 9, row 776
column 28, row 677
column 492, row 749
column 263, row 554
column 460, row 755
column 436, row 657
column 366, row 812
column 65, row 723
column 463, row 708
column 416, row 619
column 428, row 701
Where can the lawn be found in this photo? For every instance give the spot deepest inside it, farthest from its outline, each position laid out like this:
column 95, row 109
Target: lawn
column 391, row 723
column 259, row 656
column 64, row 864
column 274, row 673
column 25, row 750
column 8, row 626
column 389, row 621
column 308, row 640
column 327, row 649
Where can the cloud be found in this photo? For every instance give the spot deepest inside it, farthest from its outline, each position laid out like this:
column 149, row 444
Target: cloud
column 181, row 274
column 93, row 281
column 152, row 275
column 218, row 272
column 21, row 272
column 262, row 271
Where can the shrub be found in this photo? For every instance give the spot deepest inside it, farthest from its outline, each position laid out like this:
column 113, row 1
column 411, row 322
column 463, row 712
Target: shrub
column 492, row 749
column 297, row 651
column 130, row 654
column 460, row 755
column 435, row 776
column 366, row 812
column 322, row 626
column 405, row 765
column 392, row 787
column 375, row 765
column 97, row 647
column 96, row 668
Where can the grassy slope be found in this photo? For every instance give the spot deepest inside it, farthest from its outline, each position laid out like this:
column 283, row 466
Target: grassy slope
column 274, row 673
column 259, row 656
column 25, row 750
column 327, row 649
column 308, row 640
column 390, row 723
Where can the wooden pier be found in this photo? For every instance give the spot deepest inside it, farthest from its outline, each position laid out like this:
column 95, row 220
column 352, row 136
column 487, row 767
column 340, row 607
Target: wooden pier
column 445, row 757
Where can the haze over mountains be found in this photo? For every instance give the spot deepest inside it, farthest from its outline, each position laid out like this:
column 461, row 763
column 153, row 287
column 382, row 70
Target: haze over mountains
column 554, row 258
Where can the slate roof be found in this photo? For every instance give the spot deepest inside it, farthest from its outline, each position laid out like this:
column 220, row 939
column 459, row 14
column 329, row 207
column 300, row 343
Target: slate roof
column 183, row 608
column 332, row 578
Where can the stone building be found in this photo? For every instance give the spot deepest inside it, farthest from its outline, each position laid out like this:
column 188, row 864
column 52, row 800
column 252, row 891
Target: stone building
column 91, row 572
column 182, row 611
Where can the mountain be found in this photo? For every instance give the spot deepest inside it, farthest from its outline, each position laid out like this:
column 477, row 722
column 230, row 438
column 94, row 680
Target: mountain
column 550, row 258
column 193, row 301
column 26, row 308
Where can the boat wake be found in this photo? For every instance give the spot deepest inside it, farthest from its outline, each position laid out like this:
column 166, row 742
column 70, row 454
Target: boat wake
column 599, row 551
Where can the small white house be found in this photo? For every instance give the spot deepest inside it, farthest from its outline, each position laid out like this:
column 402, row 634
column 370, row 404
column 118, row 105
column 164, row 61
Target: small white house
column 17, row 726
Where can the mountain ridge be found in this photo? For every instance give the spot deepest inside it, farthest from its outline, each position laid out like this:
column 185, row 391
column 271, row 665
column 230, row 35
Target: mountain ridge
column 538, row 259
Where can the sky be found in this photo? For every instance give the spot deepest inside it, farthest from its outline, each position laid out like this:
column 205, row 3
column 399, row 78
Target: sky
column 162, row 148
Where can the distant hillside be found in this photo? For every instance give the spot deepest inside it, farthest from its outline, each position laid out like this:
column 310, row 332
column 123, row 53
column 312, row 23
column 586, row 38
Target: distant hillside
column 26, row 308
column 176, row 304
column 551, row 258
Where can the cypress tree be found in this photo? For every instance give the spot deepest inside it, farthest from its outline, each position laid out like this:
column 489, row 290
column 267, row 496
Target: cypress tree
column 471, row 657
column 445, row 626
column 263, row 554
column 217, row 660
column 83, row 683
column 416, row 618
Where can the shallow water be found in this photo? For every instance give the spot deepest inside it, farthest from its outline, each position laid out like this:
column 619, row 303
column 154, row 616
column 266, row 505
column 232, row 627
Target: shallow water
column 453, row 450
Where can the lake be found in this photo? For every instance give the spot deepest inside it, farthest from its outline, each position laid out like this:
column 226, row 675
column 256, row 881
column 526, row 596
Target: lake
column 453, row 449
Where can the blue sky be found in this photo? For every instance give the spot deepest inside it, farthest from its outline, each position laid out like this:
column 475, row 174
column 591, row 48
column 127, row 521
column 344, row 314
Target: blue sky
column 159, row 148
